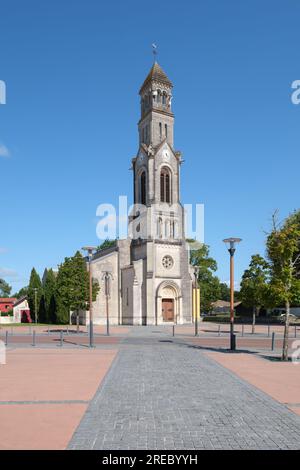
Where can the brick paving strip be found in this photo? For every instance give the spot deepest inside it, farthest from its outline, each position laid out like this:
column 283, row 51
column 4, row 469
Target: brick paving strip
column 45, row 392
column 43, row 402
column 162, row 393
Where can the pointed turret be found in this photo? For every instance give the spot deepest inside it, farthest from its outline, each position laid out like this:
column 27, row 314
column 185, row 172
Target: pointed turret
column 156, row 74
column 156, row 123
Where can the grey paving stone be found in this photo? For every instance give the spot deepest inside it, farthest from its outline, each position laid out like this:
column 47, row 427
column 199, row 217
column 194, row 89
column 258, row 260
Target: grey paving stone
column 172, row 396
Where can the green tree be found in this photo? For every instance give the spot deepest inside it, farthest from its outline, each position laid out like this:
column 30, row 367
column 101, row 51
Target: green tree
column 35, row 300
column 63, row 283
column 73, row 287
column 254, row 286
column 50, row 296
column 210, row 290
column 224, row 292
column 106, row 244
column 21, row 293
column 294, row 219
column 5, row 288
column 283, row 254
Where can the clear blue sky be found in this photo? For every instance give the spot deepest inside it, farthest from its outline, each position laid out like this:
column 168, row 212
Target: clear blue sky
column 73, row 71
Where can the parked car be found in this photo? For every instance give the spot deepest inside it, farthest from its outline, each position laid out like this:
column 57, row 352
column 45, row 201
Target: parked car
column 291, row 317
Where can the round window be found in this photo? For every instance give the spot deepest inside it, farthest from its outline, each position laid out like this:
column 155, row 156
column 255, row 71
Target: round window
column 167, row 262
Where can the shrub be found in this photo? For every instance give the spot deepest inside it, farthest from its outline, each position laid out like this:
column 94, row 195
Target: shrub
column 9, row 313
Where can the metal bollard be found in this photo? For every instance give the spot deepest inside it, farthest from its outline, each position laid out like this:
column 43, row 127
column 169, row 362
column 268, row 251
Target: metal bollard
column 61, row 338
column 233, row 342
column 243, row 330
column 6, row 338
column 268, row 330
column 33, row 338
column 68, row 330
column 219, row 330
column 173, row 334
column 273, row 341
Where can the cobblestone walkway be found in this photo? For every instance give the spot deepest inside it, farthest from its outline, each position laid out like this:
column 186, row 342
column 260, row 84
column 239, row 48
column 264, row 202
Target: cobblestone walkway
column 162, row 394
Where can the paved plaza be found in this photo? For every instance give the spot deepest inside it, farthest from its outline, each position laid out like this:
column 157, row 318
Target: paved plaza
column 167, row 393
column 142, row 388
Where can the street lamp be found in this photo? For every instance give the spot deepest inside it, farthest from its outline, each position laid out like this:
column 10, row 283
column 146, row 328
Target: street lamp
column 107, row 276
column 231, row 246
column 196, row 274
column 90, row 250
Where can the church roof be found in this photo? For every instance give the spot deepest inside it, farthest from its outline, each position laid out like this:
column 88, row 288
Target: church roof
column 156, row 73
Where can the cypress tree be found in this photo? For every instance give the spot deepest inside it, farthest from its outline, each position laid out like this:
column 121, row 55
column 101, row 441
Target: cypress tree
column 50, row 296
column 34, row 300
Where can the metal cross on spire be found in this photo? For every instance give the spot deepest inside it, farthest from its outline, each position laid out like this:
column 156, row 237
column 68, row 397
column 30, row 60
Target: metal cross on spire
column 154, row 51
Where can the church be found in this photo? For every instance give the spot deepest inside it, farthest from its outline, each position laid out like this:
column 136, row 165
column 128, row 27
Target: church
column 150, row 277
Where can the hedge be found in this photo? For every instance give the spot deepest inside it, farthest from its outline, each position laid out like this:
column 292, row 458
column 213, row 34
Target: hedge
column 9, row 313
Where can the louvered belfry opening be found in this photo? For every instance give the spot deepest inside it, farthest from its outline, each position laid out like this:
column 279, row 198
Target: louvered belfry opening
column 165, row 185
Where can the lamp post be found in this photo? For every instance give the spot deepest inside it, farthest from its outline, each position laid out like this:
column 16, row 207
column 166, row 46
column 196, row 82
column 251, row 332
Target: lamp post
column 231, row 245
column 90, row 250
column 35, row 304
column 107, row 276
column 196, row 273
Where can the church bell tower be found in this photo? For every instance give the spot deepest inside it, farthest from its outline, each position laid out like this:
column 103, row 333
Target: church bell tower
column 159, row 251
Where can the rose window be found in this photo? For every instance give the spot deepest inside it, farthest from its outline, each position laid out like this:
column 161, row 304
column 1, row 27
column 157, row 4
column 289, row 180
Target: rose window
column 167, row 262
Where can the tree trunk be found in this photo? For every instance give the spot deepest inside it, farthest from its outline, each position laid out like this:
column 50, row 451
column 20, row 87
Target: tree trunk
column 253, row 320
column 285, row 347
column 77, row 321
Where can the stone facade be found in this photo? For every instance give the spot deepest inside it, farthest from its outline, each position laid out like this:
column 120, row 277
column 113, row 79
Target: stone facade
column 150, row 275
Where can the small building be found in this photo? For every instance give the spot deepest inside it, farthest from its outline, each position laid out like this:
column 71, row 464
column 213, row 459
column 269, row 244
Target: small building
column 21, row 311
column 6, row 304
column 222, row 306
column 6, row 309
column 14, row 310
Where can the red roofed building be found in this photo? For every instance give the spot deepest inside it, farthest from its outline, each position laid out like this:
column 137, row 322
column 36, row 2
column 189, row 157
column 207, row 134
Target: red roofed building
column 6, row 304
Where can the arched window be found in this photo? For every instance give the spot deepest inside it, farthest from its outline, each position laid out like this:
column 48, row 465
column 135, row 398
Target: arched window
column 158, row 96
column 167, row 229
column 143, row 188
column 172, row 229
column 159, row 227
column 160, row 130
column 165, row 185
column 163, row 98
column 166, row 130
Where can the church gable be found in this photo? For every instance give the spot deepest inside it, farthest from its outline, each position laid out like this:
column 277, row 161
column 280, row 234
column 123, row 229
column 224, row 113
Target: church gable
column 165, row 155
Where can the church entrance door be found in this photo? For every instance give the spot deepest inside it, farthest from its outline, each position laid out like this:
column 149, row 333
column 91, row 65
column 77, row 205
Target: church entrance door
column 168, row 309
